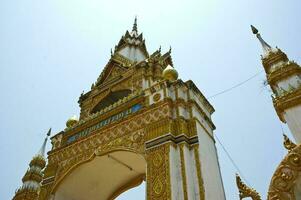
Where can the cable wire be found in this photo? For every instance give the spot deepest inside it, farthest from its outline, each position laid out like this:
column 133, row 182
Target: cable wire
column 232, row 161
column 235, row 86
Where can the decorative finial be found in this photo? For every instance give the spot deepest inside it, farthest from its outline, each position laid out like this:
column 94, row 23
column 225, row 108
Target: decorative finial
column 71, row 121
column 288, row 144
column 245, row 191
column 170, row 73
column 265, row 46
column 49, row 132
column 135, row 25
column 254, row 30
column 169, row 51
column 160, row 48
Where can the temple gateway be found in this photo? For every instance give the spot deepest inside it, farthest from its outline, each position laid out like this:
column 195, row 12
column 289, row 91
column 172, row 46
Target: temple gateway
column 140, row 122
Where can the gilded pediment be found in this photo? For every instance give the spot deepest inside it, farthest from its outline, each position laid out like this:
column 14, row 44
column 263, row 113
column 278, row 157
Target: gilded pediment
column 115, row 72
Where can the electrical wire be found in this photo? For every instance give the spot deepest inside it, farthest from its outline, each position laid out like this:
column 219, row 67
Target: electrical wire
column 235, row 86
column 223, row 147
column 232, row 161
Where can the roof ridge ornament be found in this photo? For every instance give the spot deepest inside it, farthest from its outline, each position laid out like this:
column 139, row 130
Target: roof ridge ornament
column 287, row 143
column 246, row 191
column 265, row 46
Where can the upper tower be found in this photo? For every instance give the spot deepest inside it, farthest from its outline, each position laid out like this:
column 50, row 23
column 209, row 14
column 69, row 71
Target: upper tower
column 284, row 78
column 128, row 70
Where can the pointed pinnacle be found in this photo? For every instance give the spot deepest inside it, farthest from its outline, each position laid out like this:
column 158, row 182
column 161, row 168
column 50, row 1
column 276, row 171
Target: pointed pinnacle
column 135, row 25
column 254, row 30
column 49, row 132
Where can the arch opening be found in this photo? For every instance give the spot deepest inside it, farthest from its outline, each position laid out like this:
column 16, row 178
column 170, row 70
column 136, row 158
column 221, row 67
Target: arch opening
column 134, row 193
column 103, row 178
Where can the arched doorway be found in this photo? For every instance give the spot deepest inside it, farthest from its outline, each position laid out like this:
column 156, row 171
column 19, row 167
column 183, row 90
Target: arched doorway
column 104, row 177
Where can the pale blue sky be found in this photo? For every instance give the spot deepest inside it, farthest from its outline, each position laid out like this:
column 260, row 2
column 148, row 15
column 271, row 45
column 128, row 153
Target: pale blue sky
column 50, row 51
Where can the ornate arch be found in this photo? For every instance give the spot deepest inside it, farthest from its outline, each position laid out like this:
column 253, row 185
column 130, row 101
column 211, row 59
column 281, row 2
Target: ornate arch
column 131, row 143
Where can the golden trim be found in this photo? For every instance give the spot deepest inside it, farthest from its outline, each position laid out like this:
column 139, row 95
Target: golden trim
column 156, row 97
column 175, row 127
column 245, row 191
column 283, row 72
column 287, row 143
column 284, row 178
column 158, row 173
column 199, row 171
column 288, row 100
column 274, row 57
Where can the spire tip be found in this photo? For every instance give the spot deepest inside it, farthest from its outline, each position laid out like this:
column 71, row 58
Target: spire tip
column 49, row 132
column 254, row 30
column 135, row 25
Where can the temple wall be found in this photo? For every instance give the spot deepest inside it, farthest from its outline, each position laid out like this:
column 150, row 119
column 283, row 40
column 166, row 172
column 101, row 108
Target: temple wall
column 292, row 117
column 191, row 174
column 176, row 176
column 210, row 167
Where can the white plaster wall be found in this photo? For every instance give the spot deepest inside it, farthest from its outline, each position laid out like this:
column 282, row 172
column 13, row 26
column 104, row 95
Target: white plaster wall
column 145, row 84
column 175, row 172
column 197, row 115
column 191, row 175
column 198, row 101
column 132, row 53
column 293, row 81
column 292, row 117
column 182, row 93
column 210, row 167
column 171, row 93
column 183, row 112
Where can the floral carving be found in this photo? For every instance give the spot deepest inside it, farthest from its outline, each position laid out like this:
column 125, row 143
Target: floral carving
column 158, row 180
column 245, row 191
column 288, row 144
column 285, row 176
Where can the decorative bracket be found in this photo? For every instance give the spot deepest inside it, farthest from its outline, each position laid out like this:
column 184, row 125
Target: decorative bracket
column 245, row 191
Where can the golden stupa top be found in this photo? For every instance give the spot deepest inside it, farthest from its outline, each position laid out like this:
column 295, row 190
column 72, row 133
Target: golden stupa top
column 170, row 73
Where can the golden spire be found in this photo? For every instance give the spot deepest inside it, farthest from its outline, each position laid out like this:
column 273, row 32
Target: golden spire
column 265, row 46
column 34, row 175
column 135, row 28
column 245, row 191
column 288, row 144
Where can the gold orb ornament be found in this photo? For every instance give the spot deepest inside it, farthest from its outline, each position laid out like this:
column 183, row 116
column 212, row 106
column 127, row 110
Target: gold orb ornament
column 170, row 73
column 71, row 121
